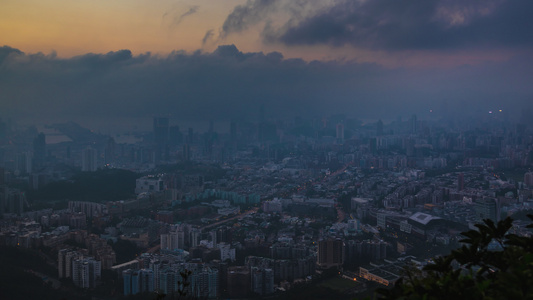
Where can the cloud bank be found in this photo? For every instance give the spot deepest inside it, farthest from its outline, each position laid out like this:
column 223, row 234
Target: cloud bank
column 389, row 25
column 228, row 84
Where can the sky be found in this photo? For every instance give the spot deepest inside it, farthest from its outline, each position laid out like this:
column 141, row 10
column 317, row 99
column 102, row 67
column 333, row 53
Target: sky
column 109, row 62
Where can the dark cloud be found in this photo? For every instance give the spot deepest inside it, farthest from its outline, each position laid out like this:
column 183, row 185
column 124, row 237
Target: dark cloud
column 408, row 24
column 208, row 36
column 246, row 15
column 5, row 51
column 100, row 60
column 229, row 83
column 176, row 18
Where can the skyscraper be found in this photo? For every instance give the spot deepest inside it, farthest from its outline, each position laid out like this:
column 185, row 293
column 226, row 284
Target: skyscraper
column 340, row 133
column 186, row 155
column 110, row 151
column 379, row 128
column 414, row 124
column 175, row 137
column 39, row 151
column 89, row 160
column 161, row 138
column 461, row 181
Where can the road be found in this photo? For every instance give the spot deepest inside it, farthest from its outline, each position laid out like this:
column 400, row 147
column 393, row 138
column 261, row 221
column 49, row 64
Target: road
column 154, row 249
column 239, row 216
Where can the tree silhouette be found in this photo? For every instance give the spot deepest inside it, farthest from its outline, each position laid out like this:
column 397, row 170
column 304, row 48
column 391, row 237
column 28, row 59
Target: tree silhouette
column 183, row 288
column 493, row 264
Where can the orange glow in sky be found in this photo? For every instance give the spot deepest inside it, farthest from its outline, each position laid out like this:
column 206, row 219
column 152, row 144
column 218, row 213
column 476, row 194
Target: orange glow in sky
column 77, row 27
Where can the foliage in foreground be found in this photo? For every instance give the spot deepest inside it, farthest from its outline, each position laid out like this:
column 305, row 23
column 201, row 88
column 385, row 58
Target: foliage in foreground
column 474, row 271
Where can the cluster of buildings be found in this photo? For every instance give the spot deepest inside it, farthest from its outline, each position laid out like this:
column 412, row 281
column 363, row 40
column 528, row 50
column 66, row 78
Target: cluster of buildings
column 168, row 278
column 268, row 204
column 83, row 270
column 169, row 274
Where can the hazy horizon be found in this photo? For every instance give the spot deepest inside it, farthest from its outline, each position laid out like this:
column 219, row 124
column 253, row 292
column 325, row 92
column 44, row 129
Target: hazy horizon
column 102, row 64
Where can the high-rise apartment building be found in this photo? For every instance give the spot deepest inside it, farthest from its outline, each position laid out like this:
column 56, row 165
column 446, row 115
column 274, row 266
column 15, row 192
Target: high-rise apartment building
column 262, row 281
column 330, row 253
column 238, row 282
column 168, row 281
column 487, row 208
column 204, row 283
column 86, row 272
column 528, row 179
column 146, row 283
column 138, row 281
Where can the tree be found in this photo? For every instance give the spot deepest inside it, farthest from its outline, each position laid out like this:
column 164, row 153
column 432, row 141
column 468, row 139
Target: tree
column 476, row 270
column 183, row 288
column 125, row 250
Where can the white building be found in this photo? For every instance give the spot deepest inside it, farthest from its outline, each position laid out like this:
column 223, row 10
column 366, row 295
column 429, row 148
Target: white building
column 204, row 284
column 272, row 206
column 86, row 272
column 229, row 210
column 173, row 240
column 148, row 184
column 226, row 252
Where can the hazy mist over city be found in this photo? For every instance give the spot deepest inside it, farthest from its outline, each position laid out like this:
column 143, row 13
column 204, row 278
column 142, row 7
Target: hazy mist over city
column 366, row 59
column 253, row 149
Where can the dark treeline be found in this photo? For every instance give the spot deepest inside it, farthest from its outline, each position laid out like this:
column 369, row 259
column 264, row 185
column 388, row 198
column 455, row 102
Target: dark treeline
column 102, row 185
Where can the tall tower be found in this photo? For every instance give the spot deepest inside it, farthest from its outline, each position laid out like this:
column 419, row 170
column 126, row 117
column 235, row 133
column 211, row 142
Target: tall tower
column 414, row 124
column 161, row 138
column 461, row 181
column 110, row 151
column 88, row 160
column 379, row 128
column 39, row 150
column 340, row 133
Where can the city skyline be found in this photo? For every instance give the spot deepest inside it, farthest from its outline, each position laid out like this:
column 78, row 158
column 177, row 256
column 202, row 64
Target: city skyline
column 254, row 149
